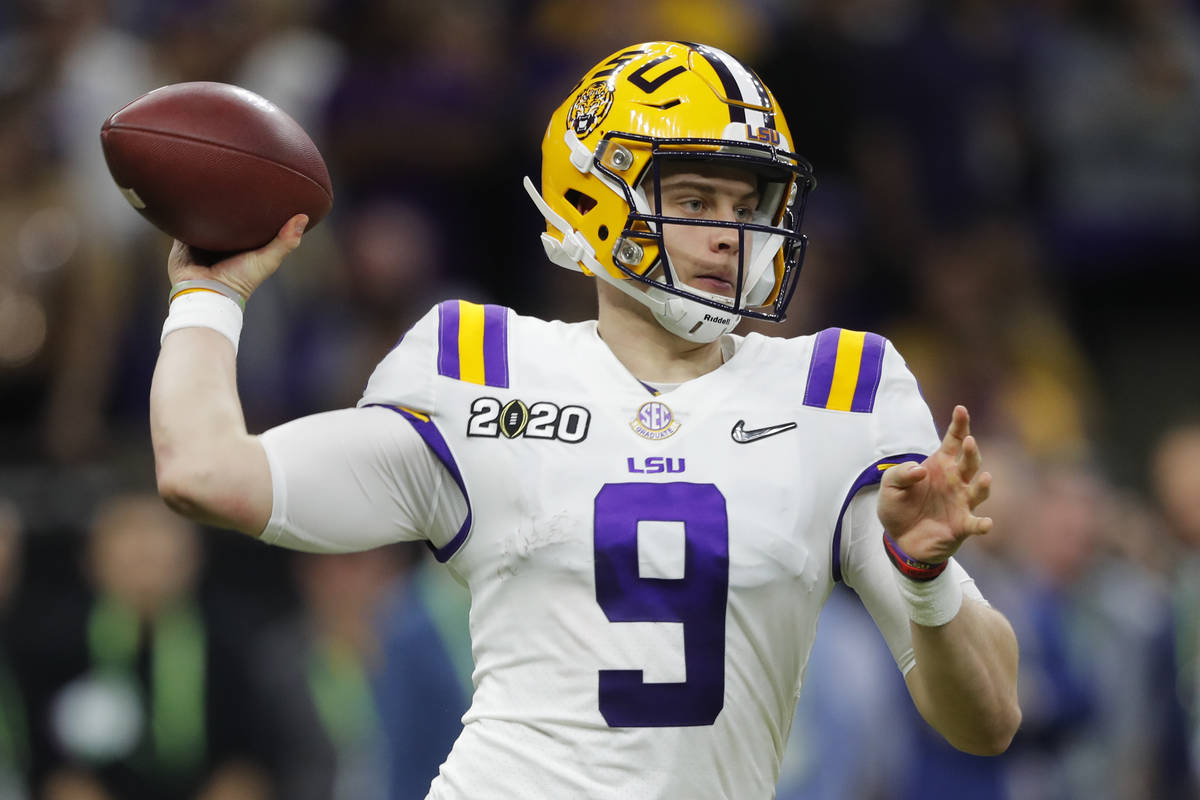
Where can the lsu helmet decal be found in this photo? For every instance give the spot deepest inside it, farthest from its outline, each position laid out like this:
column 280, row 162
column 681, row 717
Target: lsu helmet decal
column 590, row 108
column 653, row 104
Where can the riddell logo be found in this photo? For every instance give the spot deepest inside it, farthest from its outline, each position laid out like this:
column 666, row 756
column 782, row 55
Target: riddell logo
column 718, row 320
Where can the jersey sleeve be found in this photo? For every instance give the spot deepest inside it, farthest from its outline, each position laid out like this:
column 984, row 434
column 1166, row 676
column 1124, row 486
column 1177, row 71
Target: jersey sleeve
column 869, row 573
column 360, row 478
column 355, row 479
column 456, row 343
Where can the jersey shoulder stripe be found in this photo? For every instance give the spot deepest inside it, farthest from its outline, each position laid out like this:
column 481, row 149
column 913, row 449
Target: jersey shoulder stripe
column 473, row 343
column 845, row 370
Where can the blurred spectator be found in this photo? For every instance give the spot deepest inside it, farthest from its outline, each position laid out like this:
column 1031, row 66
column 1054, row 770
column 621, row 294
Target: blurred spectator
column 420, row 105
column 1101, row 718
column 425, row 675
column 985, row 333
column 1117, row 107
column 66, row 284
column 289, row 59
column 324, row 326
column 14, row 730
column 141, row 691
column 334, row 640
column 837, row 749
column 1175, row 471
column 38, row 270
column 1116, row 112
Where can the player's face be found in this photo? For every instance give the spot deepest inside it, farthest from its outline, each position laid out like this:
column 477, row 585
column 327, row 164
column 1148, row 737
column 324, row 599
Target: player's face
column 706, row 257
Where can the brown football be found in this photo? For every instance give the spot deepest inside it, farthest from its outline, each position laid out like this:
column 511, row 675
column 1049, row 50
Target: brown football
column 214, row 165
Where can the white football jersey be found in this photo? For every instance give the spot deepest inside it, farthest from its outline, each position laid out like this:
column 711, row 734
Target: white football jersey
column 646, row 570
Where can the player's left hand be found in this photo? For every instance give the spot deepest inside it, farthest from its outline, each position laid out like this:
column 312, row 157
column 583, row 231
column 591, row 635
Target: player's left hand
column 928, row 508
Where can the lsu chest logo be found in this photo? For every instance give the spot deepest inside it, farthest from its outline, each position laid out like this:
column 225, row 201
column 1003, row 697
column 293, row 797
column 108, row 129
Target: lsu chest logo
column 492, row 419
column 654, row 421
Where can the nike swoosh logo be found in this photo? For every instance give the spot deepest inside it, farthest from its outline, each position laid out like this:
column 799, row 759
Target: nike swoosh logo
column 743, row 436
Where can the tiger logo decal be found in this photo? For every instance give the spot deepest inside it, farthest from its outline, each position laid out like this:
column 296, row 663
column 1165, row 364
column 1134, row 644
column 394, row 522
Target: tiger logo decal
column 590, row 108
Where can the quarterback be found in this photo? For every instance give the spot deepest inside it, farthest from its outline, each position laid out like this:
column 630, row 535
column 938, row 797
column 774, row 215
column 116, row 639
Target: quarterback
column 648, row 509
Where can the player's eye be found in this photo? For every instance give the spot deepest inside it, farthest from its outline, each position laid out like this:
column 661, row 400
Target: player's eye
column 691, row 205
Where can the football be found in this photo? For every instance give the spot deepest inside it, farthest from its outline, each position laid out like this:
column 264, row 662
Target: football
column 214, row 165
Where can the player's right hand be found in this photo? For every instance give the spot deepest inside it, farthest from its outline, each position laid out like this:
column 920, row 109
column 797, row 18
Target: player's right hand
column 243, row 272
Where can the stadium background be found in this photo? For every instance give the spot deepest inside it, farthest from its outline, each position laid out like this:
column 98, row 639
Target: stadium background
column 1008, row 190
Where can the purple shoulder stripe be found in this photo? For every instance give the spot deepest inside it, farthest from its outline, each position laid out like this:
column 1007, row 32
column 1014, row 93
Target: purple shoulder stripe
column 820, row 369
column 495, row 345
column 845, row 370
column 870, row 370
column 871, row 475
column 448, row 316
column 473, row 343
column 428, row 431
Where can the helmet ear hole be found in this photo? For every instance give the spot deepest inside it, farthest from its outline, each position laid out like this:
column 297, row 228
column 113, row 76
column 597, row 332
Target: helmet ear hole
column 603, row 233
column 579, row 201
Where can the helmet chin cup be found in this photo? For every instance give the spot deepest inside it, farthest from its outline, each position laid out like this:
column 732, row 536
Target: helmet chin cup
column 688, row 319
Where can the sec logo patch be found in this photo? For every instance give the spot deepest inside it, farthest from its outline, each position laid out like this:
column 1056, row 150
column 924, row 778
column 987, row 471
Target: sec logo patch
column 654, row 421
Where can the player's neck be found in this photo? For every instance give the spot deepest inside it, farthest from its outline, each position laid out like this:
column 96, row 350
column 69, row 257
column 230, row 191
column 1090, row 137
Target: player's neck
column 649, row 351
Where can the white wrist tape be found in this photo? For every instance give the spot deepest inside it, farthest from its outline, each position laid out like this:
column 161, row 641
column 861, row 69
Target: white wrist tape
column 932, row 603
column 205, row 309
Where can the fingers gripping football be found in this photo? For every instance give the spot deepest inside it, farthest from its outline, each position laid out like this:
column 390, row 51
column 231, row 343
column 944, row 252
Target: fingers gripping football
column 928, row 508
column 242, row 272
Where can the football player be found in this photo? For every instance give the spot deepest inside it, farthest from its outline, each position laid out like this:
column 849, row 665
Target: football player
column 648, row 510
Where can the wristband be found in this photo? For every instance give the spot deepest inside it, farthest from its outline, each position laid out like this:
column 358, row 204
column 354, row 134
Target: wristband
column 204, row 308
column 205, row 285
column 909, row 566
column 931, row 603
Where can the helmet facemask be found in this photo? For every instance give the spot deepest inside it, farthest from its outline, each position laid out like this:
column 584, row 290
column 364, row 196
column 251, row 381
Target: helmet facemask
column 770, row 245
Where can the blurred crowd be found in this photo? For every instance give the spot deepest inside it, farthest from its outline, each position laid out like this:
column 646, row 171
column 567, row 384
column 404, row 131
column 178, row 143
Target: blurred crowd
column 1009, row 190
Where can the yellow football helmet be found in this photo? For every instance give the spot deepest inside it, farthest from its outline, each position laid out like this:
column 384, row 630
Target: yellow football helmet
column 601, row 156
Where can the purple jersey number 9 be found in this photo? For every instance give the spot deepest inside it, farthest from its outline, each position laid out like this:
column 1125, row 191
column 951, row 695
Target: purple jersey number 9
column 697, row 600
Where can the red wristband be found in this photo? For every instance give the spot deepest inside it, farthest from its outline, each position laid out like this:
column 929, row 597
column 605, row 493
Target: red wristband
column 910, row 567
